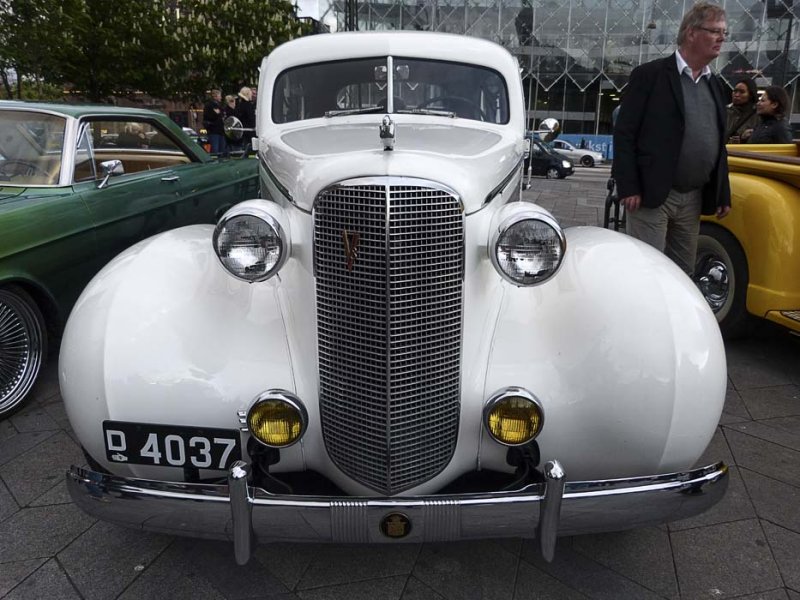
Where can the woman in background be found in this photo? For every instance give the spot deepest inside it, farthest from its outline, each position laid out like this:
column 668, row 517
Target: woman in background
column 772, row 108
column 742, row 116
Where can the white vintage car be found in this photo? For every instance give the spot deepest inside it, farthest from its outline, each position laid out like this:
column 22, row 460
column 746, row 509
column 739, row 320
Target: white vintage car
column 390, row 345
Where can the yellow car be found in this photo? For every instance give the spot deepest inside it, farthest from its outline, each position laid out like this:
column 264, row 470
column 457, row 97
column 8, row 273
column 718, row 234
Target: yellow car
column 749, row 262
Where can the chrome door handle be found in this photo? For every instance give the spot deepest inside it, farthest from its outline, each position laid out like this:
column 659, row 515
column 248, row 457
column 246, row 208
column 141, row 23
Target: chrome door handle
column 171, row 178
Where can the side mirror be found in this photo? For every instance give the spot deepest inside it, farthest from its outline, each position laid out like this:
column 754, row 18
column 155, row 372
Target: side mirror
column 110, row 167
column 549, row 130
column 233, row 128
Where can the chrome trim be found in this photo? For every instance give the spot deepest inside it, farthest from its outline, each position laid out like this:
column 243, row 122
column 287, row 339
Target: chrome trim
column 282, row 189
column 525, row 213
column 502, row 394
column 550, row 509
column 241, row 511
column 204, row 510
column 504, row 183
column 791, row 314
column 287, row 398
column 269, row 219
column 371, row 320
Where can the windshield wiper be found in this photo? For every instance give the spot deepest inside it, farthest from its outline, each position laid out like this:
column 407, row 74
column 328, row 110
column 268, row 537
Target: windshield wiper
column 427, row 111
column 354, row 111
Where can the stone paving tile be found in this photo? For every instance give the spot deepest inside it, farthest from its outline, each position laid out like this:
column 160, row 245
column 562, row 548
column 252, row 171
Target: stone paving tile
column 416, row 590
column 335, row 564
column 34, row 418
column 105, row 559
column 15, row 445
column 390, row 588
column 48, row 582
column 764, row 457
column 533, row 583
column 793, row 595
column 287, row 562
column 172, row 576
column 8, row 506
column 467, row 570
column 58, row 494
column 773, row 401
column 723, row 561
column 773, row 500
column 734, row 407
column 643, row 555
column 32, row 474
column 767, row 432
column 585, row 575
column 11, row 574
column 7, row 430
column 760, row 361
column 785, row 546
column 787, row 424
column 41, row 532
column 779, row 594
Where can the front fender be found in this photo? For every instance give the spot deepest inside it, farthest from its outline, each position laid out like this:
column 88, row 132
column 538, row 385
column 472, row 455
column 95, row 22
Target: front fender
column 622, row 351
column 164, row 334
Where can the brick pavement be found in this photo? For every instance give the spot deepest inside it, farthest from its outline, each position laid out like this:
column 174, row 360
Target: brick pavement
column 748, row 546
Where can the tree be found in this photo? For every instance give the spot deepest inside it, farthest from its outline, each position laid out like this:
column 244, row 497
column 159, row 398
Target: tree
column 222, row 42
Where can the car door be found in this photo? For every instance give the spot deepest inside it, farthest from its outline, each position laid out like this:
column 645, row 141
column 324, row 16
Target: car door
column 140, row 201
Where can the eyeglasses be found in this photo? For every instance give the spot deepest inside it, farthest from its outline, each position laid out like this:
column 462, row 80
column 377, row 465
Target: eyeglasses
column 715, row 31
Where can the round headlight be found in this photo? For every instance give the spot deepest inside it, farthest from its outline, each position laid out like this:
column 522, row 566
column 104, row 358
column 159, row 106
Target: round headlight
column 277, row 419
column 513, row 416
column 250, row 244
column 529, row 250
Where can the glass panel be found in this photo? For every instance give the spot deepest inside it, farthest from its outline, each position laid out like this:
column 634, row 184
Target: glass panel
column 30, row 148
column 84, row 164
column 360, row 86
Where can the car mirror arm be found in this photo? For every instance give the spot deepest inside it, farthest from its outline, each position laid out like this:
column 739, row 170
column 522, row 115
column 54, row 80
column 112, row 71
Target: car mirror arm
column 110, row 167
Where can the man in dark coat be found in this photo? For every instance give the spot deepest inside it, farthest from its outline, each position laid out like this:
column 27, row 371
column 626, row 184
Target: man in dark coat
column 670, row 163
column 213, row 121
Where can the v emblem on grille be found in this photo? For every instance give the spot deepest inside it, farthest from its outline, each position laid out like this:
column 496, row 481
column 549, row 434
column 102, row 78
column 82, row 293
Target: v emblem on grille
column 350, row 248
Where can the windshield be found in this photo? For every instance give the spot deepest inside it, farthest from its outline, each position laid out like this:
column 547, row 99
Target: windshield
column 30, row 148
column 361, row 86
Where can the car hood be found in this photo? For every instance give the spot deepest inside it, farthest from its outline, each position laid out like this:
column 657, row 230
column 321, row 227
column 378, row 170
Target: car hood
column 470, row 160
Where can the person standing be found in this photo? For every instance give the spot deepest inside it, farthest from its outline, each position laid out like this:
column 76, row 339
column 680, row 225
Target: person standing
column 246, row 113
column 742, row 115
column 213, row 122
column 772, row 127
column 670, row 163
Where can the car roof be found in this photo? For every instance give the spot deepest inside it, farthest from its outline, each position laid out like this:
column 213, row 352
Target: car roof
column 76, row 110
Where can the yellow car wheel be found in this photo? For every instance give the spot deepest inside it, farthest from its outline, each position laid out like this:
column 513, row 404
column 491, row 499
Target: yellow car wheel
column 721, row 274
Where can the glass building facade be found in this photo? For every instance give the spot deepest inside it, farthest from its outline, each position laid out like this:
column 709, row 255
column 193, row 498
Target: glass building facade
column 576, row 55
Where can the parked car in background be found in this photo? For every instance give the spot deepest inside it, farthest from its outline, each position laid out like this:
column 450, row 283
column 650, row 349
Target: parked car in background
column 79, row 184
column 579, row 156
column 544, row 161
column 748, row 264
column 390, row 345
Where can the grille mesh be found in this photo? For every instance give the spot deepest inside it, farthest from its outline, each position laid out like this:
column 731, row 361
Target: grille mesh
column 389, row 329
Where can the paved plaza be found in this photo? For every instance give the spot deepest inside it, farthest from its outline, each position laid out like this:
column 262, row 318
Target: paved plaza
column 748, row 546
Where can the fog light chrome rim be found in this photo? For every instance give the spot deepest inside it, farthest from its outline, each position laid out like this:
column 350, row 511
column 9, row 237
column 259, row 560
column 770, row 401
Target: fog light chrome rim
column 277, row 419
column 513, row 416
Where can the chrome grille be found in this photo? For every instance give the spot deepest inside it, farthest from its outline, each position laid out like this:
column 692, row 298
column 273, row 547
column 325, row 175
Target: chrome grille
column 389, row 328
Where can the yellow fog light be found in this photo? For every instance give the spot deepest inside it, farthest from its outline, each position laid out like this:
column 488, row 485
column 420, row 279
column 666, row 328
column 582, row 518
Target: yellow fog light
column 513, row 416
column 277, row 419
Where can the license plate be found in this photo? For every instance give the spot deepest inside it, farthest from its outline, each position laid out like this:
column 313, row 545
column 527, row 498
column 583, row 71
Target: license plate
column 171, row 445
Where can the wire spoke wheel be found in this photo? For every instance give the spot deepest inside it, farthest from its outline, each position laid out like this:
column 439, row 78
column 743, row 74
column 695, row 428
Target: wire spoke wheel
column 22, row 347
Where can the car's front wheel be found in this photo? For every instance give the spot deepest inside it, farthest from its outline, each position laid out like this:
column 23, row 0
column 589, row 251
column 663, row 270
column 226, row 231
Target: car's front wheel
column 23, row 346
column 587, row 161
column 552, row 173
column 721, row 274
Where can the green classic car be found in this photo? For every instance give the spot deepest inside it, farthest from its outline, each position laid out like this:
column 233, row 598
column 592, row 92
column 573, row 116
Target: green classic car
column 79, row 184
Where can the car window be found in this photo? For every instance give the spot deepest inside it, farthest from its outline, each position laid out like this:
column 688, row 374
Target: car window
column 353, row 86
column 31, row 145
column 139, row 144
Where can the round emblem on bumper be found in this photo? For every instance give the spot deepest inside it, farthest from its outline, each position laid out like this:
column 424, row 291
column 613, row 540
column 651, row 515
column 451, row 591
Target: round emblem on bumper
column 395, row 525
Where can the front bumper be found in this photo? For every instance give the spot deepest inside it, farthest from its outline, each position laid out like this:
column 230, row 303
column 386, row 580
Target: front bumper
column 242, row 513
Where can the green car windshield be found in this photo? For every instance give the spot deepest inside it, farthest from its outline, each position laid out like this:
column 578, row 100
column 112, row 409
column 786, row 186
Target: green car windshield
column 31, row 145
column 428, row 87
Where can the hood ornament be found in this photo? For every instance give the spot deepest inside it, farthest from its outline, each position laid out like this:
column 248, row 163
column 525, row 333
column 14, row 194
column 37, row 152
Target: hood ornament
column 387, row 133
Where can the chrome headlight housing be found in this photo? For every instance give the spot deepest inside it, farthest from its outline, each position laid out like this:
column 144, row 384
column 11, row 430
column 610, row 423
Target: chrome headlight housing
column 513, row 416
column 528, row 246
column 250, row 241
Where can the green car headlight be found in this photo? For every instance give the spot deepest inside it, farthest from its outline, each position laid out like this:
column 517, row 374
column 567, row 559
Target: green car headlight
column 250, row 243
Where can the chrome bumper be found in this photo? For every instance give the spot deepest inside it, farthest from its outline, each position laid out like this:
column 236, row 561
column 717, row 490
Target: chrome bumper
column 242, row 513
